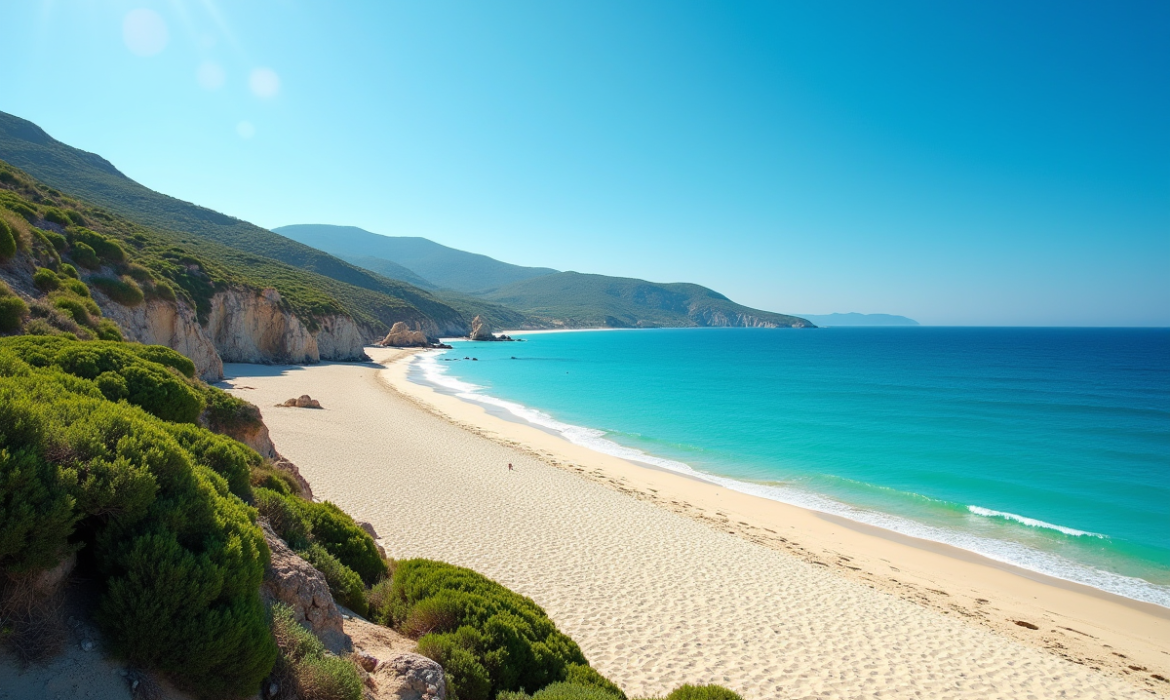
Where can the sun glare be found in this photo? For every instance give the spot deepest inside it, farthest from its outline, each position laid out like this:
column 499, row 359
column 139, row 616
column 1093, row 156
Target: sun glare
column 145, row 32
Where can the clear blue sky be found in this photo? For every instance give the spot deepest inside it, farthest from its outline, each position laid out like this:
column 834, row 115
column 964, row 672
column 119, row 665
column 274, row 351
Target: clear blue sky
column 957, row 162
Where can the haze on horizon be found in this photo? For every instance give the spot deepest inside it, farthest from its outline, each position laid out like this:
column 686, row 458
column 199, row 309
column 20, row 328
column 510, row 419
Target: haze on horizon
column 981, row 164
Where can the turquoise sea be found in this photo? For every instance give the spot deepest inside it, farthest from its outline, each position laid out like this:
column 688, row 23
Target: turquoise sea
column 1044, row 448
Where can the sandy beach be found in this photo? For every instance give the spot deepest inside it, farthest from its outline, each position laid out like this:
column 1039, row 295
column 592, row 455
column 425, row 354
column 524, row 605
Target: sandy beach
column 663, row 579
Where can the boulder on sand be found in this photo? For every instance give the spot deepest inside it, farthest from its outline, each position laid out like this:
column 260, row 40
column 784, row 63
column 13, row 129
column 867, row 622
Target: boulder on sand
column 402, row 337
column 302, row 401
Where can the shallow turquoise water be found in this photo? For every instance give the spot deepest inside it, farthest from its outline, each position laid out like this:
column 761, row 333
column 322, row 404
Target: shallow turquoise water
column 1046, row 448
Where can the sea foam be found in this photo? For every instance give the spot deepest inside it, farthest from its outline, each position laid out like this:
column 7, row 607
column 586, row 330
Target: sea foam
column 431, row 372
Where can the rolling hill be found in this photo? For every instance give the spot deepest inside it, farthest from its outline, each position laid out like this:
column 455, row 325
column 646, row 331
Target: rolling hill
column 309, row 280
column 572, row 299
column 856, row 319
column 442, row 267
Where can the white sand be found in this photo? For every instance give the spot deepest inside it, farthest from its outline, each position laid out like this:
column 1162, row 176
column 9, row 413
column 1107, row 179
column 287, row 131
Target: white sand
column 658, row 598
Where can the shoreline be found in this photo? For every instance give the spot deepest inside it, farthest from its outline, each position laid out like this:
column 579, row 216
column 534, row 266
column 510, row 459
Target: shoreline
column 887, row 525
column 1121, row 630
column 664, row 580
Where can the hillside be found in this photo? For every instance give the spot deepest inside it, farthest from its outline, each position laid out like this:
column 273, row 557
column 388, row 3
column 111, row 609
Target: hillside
column 856, row 319
column 572, row 299
column 443, row 267
column 310, row 281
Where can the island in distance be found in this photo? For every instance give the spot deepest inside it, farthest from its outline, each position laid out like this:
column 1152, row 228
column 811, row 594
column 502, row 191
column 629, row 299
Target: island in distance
column 855, row 319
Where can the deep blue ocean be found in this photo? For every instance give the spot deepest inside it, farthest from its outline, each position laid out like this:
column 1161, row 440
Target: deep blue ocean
column 1045, row 448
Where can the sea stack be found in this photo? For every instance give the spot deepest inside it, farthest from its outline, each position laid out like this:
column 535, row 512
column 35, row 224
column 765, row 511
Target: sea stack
column 481, row 329
column 402, row 337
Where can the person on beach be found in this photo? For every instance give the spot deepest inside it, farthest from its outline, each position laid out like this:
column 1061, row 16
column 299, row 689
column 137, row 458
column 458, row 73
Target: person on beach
column 510, row 467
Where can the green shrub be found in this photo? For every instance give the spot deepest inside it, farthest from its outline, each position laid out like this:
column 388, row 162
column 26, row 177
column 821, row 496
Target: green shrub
column 7, row 241
column 74, row 308
column 223, row 455
column 336, row 531
column 123, row 290
column 303, row 666
column 55, row 239
column 378, row 599
column 46, row 280
column 75, row 217
column 703, row 692
column 103, row 246
column 572, row 691
column 151, row 385
column 287, row 521
column 57, row 216
column 12, row 311
column 460, row 653
column 29, row 214
column 76, row 286
column 164, row 291
column 84, row 255
column 473, row 618
column 582, row 674
column 344, row 583
column 108, row 330
column 178, row 556
column 230, row 415
column 69, row 271
column 139, row 273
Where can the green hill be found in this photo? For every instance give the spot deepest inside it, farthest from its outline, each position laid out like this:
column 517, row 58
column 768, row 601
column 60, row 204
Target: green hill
column 573, row 299
column 310, row 281
column 443, row 267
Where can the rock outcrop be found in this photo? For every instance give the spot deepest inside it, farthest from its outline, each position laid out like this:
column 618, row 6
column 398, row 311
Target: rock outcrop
column 302, row 401
column 168, row 323
column 401, row 336
column 291, row 469
column 409, row 676
column 481, row 329
column 294, row 582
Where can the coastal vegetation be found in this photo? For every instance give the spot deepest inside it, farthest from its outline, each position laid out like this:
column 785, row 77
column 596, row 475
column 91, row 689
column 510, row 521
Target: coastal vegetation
column 175, row 236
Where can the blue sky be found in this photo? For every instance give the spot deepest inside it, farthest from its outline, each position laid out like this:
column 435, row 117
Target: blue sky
column 960, row 163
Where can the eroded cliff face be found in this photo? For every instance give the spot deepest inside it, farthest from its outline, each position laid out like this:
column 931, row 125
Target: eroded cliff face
column 250, row 327
column 242, row 326
column 172, row 324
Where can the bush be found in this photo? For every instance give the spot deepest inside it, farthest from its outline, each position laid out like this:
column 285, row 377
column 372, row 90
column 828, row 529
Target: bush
column 179, row 557
column 125, row 291
column 572, row 691
column 223, row 455
column 55, row 239
column 85, row 256
column 305, row 668
column 58, row 217
column 12, row 311
column 344, row 583
column 336, row 531
column 108, row 330
column 74, row 308
column 581, row 674
column 69, row 271
column 7, row 240
column 475, row 619
column 103, row 246
column 76, row 286
column 703, row 692
column 46, row 280
column 287, row 521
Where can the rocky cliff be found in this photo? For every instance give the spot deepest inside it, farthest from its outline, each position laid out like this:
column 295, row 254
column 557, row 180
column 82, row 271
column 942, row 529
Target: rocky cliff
column 243, row 326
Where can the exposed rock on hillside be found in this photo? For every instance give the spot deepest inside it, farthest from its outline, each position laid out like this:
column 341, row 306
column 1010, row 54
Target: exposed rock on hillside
column 400, row 336
column 248, row 327
column 294, row 582
column 172, row 324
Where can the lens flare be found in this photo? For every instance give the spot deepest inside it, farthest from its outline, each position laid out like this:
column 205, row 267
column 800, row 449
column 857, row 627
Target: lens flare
column 265, row 83
column 145, row 32
column 210, row 75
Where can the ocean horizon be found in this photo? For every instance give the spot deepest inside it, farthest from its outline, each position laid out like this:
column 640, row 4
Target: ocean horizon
column 1043, row 448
